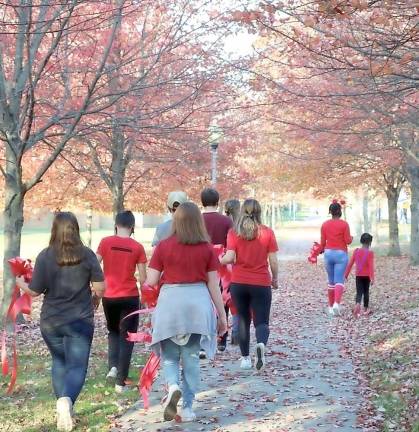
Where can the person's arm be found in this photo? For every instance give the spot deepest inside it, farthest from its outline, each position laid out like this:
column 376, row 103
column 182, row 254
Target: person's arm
column 142, row 273
column 322, row 238
column 99, row 257
column 372, row 269
column 273, row 263
column 228, row 258
column 153, row 277
column 350, row 264
column 24, row 286
column 215, row 293
column 347, row 235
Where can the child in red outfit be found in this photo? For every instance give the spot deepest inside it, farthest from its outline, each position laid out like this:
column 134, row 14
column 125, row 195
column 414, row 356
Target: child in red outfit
column 364, row 259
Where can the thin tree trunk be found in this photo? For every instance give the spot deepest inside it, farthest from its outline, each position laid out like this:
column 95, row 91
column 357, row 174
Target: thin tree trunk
column 365, row 212
column 13, row 223
column 117, row 200
column 393, row 224
column 414, row 211
column 89, row 219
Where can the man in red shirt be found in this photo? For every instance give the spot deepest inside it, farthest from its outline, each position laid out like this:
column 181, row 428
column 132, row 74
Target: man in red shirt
column 218, row 227
column 121, row 256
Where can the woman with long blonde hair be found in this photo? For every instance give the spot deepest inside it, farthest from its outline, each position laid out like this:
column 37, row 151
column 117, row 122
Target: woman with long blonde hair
column 252, row 249
column 184, row 319
column 69, row 276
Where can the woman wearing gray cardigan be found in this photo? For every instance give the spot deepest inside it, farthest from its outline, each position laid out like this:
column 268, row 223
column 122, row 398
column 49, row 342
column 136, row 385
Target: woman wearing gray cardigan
column 184, row 319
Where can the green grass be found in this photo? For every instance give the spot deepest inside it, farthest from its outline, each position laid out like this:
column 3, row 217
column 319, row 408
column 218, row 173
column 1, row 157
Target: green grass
column 31, row 408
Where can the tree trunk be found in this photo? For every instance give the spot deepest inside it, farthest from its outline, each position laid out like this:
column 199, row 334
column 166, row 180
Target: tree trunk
column 117, row 200
column 365, row 213
column 89, row 219
column 414, row 211
column 13, row 223
column 393, row 225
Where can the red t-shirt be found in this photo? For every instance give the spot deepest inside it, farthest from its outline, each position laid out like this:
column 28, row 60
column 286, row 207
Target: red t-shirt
column 251, row 266
column 364, row 259
column 120, row 257
column 217, row 226
column 335, row 234
column 183, row 263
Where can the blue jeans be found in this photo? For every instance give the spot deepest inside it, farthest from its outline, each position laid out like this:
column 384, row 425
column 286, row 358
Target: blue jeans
column 69, row 346
column 172, row 354
column 336, row 261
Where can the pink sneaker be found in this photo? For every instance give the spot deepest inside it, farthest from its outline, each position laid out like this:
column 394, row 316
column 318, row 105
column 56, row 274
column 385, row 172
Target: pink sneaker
column 357, row 310
column 367, row 311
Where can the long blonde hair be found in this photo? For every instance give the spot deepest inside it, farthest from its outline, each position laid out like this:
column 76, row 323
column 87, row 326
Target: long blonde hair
column 247, row 225
column 188, row 224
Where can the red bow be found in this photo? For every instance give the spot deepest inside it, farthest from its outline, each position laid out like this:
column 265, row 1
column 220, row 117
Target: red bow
column 20, row 303
column 149, row 295
column 342, row 202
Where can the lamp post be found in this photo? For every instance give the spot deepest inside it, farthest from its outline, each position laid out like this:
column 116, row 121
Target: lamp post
column 214, row 140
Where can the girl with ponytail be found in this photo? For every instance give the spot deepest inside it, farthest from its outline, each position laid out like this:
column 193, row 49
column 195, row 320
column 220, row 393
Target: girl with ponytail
column 252, row 249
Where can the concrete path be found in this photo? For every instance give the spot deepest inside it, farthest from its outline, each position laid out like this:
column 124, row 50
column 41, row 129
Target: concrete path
column 307, row 385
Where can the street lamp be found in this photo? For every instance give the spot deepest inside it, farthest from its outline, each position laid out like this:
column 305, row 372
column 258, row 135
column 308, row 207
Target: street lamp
column 214, row 140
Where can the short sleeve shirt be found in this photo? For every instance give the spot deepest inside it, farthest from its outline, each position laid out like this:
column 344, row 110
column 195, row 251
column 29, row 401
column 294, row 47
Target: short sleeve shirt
column 66, row 289
column 183, row 263
column 120, row 258
column 217, row 226
column 251, row 266
column 163, row 231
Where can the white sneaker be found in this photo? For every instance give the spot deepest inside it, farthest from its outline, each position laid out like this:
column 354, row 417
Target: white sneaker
column 64, row 410
column 188, row 415
column 170, row 405
column 120, row 388
column 331, row 311
column 113, row 372
column 260, row 356
column 246, row 363
column 336, row 309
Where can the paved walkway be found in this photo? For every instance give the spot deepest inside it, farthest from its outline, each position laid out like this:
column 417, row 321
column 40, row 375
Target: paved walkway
column 307, row 386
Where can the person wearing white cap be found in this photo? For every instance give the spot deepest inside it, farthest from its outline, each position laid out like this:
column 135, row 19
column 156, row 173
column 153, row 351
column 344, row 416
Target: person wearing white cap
column 163, row 231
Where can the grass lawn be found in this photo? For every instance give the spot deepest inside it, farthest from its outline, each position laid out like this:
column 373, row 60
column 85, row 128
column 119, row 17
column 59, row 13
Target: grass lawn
column 31, row 407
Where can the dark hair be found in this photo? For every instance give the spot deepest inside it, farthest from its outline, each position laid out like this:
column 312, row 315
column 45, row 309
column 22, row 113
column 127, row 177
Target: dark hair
column 366, row 239
column 65, row 239
column 249, row 220
column 210, row 197
column 335, row 209
column 232, row 209
column 188, row 224
column 125, row 219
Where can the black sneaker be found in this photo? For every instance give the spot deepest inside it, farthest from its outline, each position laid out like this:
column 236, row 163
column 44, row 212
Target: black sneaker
column 221, row 347
column 202, row 354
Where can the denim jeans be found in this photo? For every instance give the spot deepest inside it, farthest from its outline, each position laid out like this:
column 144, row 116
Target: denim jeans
column 69, row 345
column 335, row 261
column 172, row 354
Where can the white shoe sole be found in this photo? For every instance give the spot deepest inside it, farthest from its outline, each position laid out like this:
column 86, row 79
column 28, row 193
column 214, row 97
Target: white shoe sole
column 170, row 410
column 64, row 418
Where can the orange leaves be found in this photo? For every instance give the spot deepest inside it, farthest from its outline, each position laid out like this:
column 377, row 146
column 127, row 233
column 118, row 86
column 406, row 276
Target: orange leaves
column 382, row 69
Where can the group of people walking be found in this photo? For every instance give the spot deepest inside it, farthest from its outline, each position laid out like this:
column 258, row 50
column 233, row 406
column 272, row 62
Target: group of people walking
column 190, row 318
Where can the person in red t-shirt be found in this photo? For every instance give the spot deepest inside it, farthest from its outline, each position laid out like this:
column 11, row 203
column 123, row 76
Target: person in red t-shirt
column 121, row 256
column 364, row 259
column 250, row 246
column 217, row 226
column 184, row 319
column 335, row 238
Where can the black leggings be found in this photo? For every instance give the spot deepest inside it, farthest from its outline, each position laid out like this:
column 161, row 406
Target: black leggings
column 119, row 349
column 252, row 300
column 363, row 290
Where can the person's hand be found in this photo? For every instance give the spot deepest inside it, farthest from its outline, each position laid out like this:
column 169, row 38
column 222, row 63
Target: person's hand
column 222, row 325
column 96, row 301
column 275, row 284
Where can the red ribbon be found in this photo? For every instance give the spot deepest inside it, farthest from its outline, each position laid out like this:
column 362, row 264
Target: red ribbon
column 20, row 303
column 315, row 251
column 147, row 377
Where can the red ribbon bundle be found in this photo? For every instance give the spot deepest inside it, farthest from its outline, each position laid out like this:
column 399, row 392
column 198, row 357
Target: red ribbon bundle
column 224, row 272
column 20, row 303
column 315, row 251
